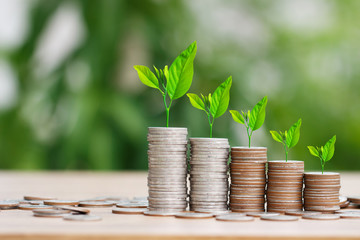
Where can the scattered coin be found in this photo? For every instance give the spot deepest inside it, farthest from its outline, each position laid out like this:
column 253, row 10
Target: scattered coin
column 279, row 218
column 322, row 217
column 79, row 210
column 301, row 213
column 61, row 202
column 164, row 213
column 260, row 214
column 8, row 204
column 349, row 215
column 29, row 197
column 96, row 204
column 82, row 217
column 234, row 218
column 52, row 213
column 354, row 199
column 129, row 210
column 32, row 207
column 131, row 205
column 192, row 215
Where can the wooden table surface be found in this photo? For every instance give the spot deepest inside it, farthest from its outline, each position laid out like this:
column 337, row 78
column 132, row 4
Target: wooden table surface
column 20, row 224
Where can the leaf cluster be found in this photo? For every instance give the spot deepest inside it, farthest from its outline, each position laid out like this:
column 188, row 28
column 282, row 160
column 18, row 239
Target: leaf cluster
column 324, row 153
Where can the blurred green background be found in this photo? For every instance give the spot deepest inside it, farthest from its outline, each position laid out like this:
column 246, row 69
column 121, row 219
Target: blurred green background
column 70, row 98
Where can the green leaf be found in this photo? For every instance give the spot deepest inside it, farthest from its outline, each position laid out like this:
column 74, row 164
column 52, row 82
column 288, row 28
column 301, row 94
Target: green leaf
column 147, row 77
column 293, row 135
column 157, row 72
column 313, row 151
column 220, row 99
column 257, row 115
column 166, row 72
column 196, row 101
column 237, row 117
column 276, row 136
column 329, row 149
column 181, row 73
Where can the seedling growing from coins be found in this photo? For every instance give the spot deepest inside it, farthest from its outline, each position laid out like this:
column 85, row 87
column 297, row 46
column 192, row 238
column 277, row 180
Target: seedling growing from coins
column 324, row 153
column 172, row 82
column 213, row 105
column 288, row 138
column 253, row 119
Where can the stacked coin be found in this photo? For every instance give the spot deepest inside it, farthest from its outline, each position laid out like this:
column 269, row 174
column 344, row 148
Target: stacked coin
column 284, row 186
column 167, row 159
column 209, row 174
column 322, row 191
column 248, row 179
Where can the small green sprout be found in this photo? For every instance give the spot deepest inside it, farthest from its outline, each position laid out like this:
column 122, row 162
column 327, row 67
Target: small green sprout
column 288, row 138
column 213, row 105
column 252, row 120
column 172, row 82
column 325, row 153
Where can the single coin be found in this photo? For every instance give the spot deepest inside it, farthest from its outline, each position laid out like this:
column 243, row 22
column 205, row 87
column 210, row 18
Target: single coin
column 301, row 213
column 30, row 197
column 354, row 199
column 96, row 204
column 8, row 204
column 74, row 209
column 322, row 217
column 32, row 207
column 260, row 214
column 50, row 215
column 128, row 210
column 234, row 218
column 36, row 202
column 349, row 215
column 61, row 202
column 50, row 211
column 82, row 217
column 192, row 215
column 279, row 218
column 161, row 213
column 131, row 205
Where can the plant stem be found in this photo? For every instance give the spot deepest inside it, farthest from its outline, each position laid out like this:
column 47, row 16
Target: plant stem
column 286, row 153
column 322, row 166
column 211, row 124
column 249, row 135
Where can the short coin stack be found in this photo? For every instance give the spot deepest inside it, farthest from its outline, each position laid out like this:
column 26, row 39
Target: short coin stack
column 284, row 186
column 209, row 174
column 248, row 179
column 322, row 191
column 167, row 159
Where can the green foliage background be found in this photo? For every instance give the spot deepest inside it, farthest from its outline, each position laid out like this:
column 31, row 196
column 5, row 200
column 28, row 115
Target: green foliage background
column 312, row 73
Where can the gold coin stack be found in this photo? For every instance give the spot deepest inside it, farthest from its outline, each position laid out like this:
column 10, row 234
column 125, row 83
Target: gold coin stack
column 209, row 186
column 322, row 191
column 248, row 179
column 167, row 175
column 284, row 186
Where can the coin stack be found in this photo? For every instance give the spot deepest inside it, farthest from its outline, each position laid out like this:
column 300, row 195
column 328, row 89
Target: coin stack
column 248, row 179
column 167, row 176
column 209, row 174
column 322, row 191
column 284, row 186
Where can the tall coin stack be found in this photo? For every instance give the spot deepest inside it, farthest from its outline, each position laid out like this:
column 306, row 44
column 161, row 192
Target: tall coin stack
column 167, row 176
column 248, row 179
column 321, row 191
column 209, row 174
column 284, row 186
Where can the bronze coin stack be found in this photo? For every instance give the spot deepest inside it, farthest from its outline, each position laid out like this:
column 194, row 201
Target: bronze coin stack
column 248, row 179
column 322, row 191
column 167, row 175
column 209, row 186
column 284, row 186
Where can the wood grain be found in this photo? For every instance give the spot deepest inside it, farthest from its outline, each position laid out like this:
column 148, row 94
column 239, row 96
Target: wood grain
column 18, row 224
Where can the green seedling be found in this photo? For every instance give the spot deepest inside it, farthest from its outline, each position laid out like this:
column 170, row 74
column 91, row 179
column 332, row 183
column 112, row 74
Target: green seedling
column 325, row 153
column 213, row 105
column 288, row 138
column 253, row 119
column 172, row 82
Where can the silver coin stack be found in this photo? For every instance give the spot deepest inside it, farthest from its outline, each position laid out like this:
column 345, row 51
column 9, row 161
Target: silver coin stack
column 209, row 183
column 167, row 176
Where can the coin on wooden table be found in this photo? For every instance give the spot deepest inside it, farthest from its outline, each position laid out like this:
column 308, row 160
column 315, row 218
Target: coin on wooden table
column 30, row 197
column 79, row 210
column 260, row 214
column 349, row 215
column 279, row 218
column 192, row 215
column 95, row 204
column 129, row 210
column 321, row 217
column 131, row 205
column 52, row 213
column 61, row 202
column 7, row 204
column 233, row 218
column 301, row 213
column 82, row 217
column 32, row 207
